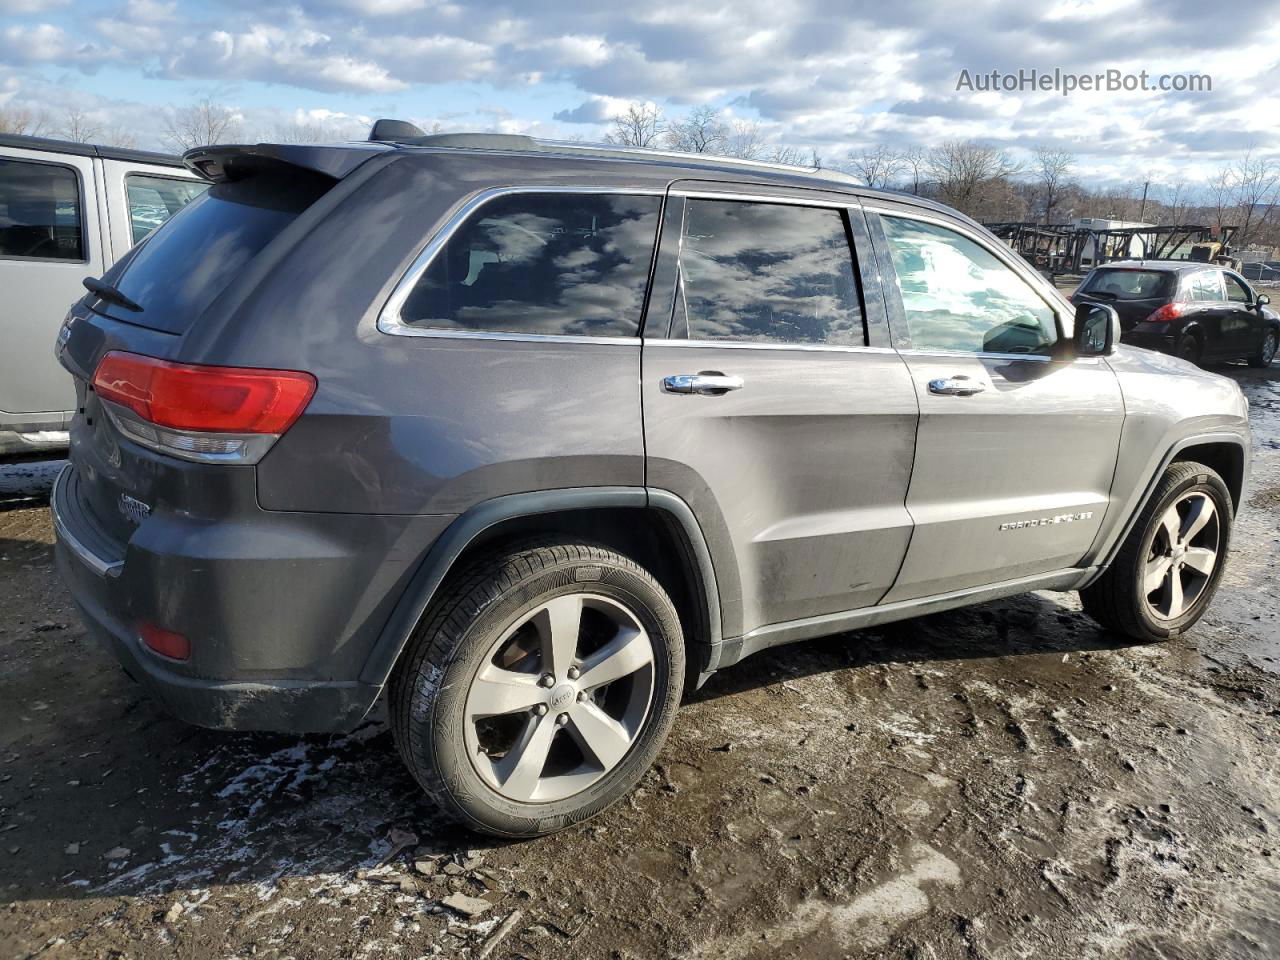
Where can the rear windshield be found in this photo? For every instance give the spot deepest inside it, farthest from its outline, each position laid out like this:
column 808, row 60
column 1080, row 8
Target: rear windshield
column 1130, row 284
column 186, row 263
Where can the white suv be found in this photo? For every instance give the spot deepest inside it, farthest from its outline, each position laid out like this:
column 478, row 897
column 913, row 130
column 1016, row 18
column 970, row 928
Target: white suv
column 67, row 211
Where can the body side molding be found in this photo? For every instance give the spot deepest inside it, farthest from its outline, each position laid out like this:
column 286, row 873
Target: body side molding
column 442, row 555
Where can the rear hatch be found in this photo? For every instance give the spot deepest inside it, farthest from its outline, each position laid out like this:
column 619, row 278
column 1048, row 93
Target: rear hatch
column 1135, row 293
column 184, row 274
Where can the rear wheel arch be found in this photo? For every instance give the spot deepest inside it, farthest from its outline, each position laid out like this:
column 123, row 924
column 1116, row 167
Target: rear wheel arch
column 654, row 528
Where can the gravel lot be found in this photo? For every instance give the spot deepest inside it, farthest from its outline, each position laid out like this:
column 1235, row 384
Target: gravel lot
column 1004, row 781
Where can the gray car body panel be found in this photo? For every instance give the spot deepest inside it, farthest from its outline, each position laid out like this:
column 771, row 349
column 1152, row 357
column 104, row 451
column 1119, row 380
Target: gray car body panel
column 813, row 500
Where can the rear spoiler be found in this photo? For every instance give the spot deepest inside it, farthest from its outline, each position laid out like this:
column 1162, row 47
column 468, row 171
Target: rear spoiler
column 237, row 160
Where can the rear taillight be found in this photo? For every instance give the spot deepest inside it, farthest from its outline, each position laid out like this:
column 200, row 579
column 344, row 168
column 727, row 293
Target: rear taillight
column 197, row 412
column 1170, row 311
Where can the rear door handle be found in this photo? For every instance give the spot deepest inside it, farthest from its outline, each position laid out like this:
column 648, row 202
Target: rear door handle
column 709, row 384
column 957, row 386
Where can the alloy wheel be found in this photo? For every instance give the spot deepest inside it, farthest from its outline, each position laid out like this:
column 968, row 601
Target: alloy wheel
column 1269, row 348
column 1182, row 557
column 559, row 698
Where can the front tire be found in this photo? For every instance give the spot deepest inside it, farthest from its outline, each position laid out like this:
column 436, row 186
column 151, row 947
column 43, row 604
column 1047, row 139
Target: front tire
column 1267, row 351
column 1169, row 567
column 539, row 687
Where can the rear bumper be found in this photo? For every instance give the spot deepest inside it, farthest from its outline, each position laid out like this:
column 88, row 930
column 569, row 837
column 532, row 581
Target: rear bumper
column 282, row 613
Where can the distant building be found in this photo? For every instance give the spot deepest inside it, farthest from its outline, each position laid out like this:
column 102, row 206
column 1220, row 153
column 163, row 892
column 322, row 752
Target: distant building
column 1137, row 247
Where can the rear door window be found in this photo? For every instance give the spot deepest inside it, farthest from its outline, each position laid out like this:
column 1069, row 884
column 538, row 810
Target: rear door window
column 183, row 266
column 1206, row 286
column 550, row 264
column 757, row 272
column 40, row 212
column 153, row 200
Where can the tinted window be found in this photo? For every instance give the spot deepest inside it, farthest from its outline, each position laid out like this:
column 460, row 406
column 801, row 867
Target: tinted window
column 960, row 296
column 153, row 200
column 1130, row 284
column 39, row 211
column 1207, row 285
column 549, row 263
column 185, row 264
column 1237, row 292
column 767, row 272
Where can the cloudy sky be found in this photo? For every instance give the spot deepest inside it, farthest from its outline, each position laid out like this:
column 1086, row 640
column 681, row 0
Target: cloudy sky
column 833, row 75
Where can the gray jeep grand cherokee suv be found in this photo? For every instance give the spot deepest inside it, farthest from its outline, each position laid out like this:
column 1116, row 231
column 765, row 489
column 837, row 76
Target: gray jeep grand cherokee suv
column 536, row 437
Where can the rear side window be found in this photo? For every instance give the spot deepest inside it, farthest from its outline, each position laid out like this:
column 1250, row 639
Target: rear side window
column 194, row 257
column 40, row 216
column 1207, row 286
column 153, row 200
column 1130, row 284
column 768, row 273
column 542, row 263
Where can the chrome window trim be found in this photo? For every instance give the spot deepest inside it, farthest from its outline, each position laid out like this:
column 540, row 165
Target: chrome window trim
column 390, row 321
column 850, row 203
column 847, row 208
column 752, row 345
column 1035, row 283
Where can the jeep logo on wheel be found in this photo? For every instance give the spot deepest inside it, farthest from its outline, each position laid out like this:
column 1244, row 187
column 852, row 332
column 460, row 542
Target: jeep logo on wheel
column 562, row 697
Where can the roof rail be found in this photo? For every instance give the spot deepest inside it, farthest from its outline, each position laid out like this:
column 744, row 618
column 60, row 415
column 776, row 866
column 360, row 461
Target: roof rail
column 391, row 131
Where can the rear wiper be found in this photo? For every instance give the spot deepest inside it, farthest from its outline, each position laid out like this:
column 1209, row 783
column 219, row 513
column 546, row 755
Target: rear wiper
column 105, row 291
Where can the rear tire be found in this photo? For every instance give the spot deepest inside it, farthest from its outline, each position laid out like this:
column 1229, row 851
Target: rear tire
column 1267, row 351
column 497, row 706
column 1190, row 348
column 1169, row 540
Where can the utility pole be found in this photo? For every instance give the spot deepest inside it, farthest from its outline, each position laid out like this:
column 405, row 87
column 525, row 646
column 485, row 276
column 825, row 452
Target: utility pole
column 1142, row 212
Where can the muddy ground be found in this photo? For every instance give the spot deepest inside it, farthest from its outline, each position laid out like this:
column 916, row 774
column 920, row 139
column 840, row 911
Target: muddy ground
column 1005, row 781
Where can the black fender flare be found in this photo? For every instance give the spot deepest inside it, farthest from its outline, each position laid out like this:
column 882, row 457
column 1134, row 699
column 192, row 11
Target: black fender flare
column 444, row 553
column 1107, row 554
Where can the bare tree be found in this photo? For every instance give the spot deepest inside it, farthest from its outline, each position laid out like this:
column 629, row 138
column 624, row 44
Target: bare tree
column 200, row 125
column 640, row 126
column 916, row 160
column 119, row 137
column 21, row 120
column 1052, row 168
column 790, row 155
column 746, row 141
column 1222, row 195
column 1176, row 202
column 1255, row 191
column 77, row 127
column 965, row 169
column 876, row 166
column 701, row 130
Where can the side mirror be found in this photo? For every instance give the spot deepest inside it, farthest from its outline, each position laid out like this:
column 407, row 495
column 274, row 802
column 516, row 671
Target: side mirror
column 1262, row 300
column 1097, row 330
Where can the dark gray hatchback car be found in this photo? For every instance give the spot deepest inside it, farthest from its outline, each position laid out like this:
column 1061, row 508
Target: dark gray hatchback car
column 535, row 437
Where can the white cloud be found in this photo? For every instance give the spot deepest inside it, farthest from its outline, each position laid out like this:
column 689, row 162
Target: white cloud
column 820, row 73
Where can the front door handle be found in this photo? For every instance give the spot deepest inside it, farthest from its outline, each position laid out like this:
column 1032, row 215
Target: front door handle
column 706, row 384
column 957, row 386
